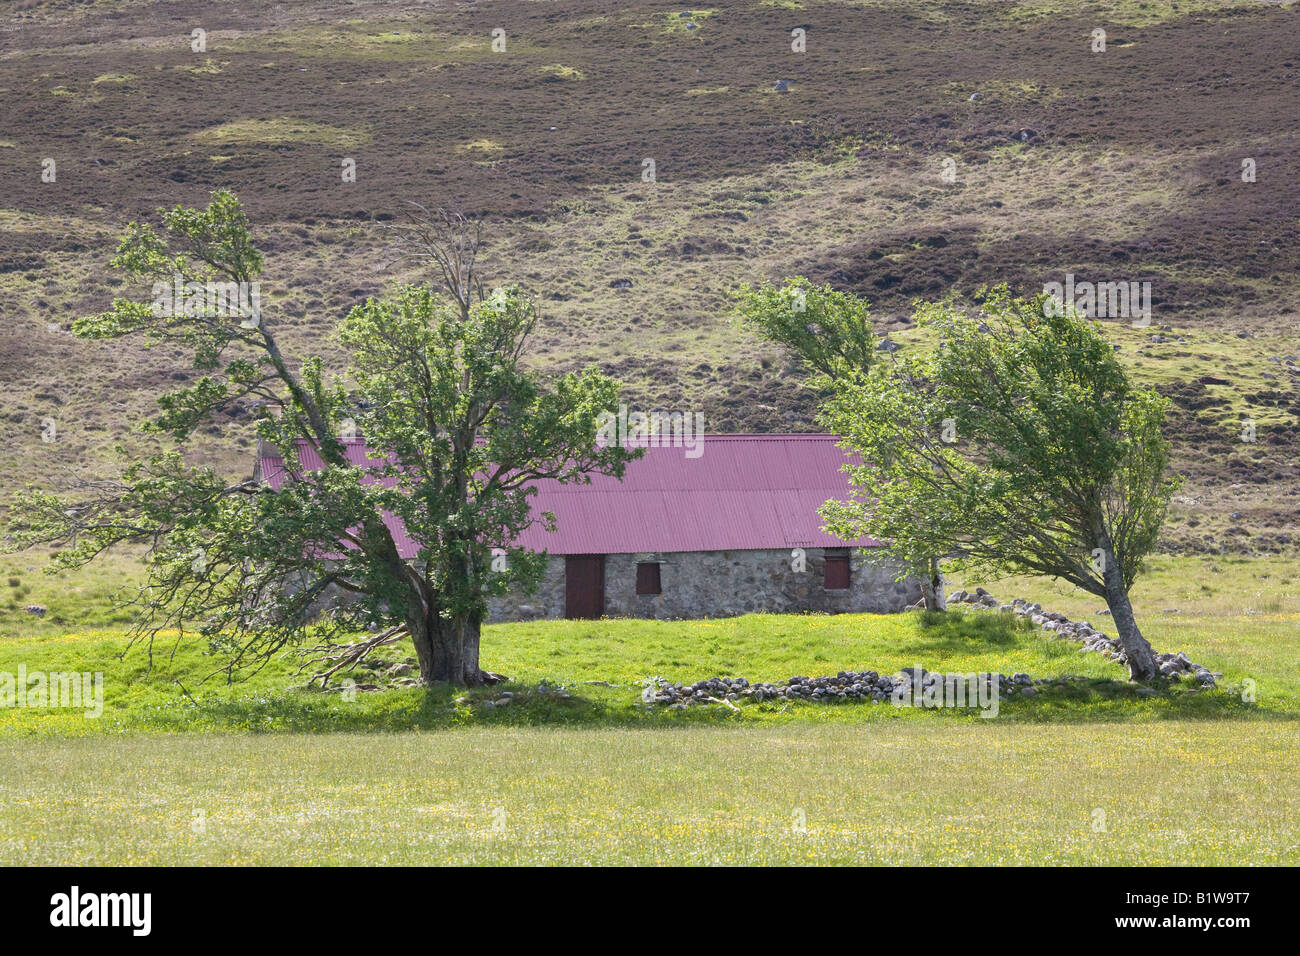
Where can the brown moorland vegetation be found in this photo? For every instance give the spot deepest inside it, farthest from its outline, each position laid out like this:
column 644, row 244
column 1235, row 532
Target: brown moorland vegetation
column 1123, row 165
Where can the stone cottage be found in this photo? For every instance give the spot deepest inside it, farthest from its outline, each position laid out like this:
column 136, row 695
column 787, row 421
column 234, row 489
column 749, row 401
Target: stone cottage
column 734, row 530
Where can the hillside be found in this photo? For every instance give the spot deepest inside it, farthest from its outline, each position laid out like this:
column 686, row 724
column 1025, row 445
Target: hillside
column 1116, row 166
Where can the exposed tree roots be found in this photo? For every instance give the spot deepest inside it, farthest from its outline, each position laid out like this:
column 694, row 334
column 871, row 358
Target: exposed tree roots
column 336, row 658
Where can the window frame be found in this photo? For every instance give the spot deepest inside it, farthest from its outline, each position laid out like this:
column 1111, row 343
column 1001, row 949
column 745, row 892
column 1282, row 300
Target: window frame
column 642, row 585
column 838, row 560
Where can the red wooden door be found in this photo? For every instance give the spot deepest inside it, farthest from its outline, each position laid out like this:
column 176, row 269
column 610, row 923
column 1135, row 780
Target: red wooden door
column 584, row 585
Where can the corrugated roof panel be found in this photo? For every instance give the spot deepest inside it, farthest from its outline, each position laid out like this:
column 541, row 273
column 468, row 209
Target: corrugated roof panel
column 744, row 492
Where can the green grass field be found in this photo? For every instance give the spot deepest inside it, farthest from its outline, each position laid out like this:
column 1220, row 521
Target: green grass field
column 266, row 771
column 903, row 792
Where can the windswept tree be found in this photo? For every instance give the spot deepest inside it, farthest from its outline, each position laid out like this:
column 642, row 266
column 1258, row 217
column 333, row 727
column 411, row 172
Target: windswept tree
column 831, row 333
column 458, row 428
column 828, row 330
column 1017, row 441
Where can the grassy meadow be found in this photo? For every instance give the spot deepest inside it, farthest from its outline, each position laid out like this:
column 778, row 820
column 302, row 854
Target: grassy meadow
column 898, row 793
column 1240, row 617
column 577, row 770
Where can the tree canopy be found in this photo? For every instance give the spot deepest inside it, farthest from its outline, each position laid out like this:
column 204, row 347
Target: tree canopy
column 435, row 386
column 1010, row 439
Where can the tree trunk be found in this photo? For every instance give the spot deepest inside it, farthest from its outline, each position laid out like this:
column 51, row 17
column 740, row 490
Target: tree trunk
column 470, row 631
column 932, row 587
column 447, row 650
column 937, row 586
column 927, row 594
column 1141, row 659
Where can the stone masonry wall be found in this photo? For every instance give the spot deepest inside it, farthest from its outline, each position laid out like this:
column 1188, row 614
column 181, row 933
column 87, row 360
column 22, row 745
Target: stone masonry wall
column 721, row 584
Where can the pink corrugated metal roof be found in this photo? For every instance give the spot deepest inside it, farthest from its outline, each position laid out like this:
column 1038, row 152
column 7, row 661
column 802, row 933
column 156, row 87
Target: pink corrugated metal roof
column 743, row 492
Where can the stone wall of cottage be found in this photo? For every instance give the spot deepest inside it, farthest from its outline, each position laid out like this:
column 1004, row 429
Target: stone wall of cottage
column 720, row 584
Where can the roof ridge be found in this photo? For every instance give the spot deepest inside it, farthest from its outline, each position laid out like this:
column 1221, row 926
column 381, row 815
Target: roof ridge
column 271, row 452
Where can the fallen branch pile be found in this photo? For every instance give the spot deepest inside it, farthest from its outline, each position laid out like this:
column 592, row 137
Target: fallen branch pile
column 340, row 657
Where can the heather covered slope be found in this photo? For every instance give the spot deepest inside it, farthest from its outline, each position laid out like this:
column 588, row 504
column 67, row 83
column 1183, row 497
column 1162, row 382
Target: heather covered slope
column 1123, row 165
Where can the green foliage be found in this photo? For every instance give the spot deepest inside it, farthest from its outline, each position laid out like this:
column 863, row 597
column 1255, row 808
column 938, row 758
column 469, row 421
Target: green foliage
column 1019, row 441
column 830, row 331
column 203, row 246
column 457, row 426
column 429, row 381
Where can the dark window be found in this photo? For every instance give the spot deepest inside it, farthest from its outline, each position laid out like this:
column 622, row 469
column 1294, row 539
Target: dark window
column 647, row 577
column 836, row 573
